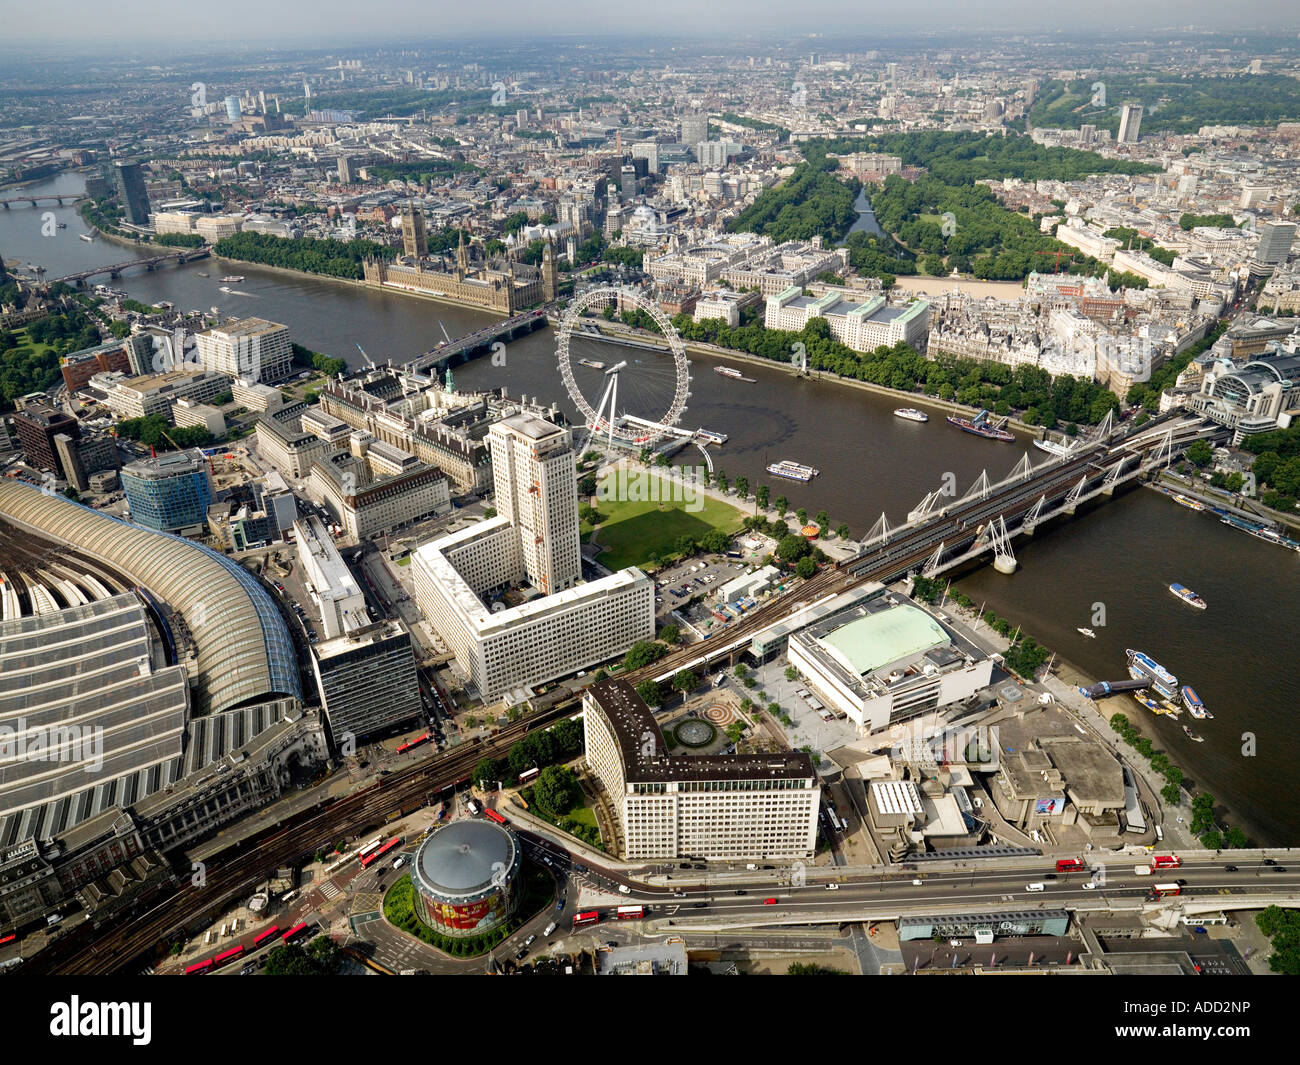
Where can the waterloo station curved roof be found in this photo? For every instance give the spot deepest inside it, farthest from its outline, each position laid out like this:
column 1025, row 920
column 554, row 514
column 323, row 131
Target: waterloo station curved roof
column 244, row 649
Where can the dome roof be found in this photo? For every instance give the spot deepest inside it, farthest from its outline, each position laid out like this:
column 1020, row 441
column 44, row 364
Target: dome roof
column 466, row 860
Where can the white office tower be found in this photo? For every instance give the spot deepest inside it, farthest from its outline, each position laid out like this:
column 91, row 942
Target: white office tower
column 468, row 583
column 251, row 348
column 534, row 470
column 1130, row 123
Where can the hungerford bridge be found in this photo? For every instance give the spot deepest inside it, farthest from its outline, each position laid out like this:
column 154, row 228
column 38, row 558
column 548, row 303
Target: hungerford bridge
column 947, row 531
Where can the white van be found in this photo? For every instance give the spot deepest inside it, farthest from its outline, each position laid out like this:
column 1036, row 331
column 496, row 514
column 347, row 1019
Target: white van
column 625, row 889
column 1035, row 887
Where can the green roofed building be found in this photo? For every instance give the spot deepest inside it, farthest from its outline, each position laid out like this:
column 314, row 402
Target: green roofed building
column 885, row 660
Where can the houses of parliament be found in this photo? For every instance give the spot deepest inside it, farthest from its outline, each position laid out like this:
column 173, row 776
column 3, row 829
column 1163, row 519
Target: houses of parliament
column 493, row 290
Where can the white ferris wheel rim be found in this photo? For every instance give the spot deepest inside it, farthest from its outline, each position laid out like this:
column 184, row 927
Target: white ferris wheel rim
column 602, row 297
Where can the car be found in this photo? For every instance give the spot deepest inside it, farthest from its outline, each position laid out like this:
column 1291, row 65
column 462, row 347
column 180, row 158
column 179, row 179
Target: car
column 769, row 867
column 560, row 905
column 769, row 902
column 1229, row 868
column 1035, row 887
column 529, row 941
column 624, row 889
column 1279, row 868
column 917, row 883
column 679, row 894
column 1181, row 883
column 698, row 905
column 741, row 891
column 697, row 865
column 611, row 942
column 521, row 954
column 1049, row 876
column 1269, row 861
column 399, row 863
column 1089, row 886
column 832, row 887
column 683, row 865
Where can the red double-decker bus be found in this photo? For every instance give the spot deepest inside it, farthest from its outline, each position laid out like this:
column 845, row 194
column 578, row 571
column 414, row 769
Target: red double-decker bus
column 1159, row 891
column 402, row 748
column 581, row 920
column 629, row 913
column 199, row 967
column 1068, row 865
column 492, row 815
column 1166, row 861
column 296, row 930
column 262, row 937
column 8, row 939
column 228, row 955
column 375, row 855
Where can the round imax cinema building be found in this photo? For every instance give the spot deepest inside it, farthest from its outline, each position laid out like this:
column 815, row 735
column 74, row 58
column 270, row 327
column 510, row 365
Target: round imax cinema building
column 465, row 876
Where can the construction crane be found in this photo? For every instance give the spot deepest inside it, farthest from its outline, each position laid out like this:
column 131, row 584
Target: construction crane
column 1058, row 253
column 369, row 360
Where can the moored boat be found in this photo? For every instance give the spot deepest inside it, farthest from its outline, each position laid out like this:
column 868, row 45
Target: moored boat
column 1193, row 702
column 981, row 426
column 911, row 414
column 1088, row 633
column 1187, row 501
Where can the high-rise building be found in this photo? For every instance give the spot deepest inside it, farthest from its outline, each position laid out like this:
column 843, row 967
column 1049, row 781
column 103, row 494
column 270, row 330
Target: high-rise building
column 695, row 128
column 1130, row 123
column 170, row 492
column 128, row 180
column 252, row 348
column 233, row 110
column 891, row 72
column 37, row 424
column 719, row 806
column 414, row 241
column 533, row 467
column 1275, row 240
column 345, row 170
column 533, row 538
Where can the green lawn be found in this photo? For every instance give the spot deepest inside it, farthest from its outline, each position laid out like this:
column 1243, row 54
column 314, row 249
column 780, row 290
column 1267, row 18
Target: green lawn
column 634, row 530
column 583, row 815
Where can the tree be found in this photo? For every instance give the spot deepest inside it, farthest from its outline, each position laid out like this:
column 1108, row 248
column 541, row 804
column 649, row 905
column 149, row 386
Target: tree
column 685, row 681
column 805, row 567
column 792, row 548
column 782, row 505
column 742, row 487
column 842, row 530
column 557, row 790
column 791, row 673
column 802, row 515
column 651, row 693
column 761, row 495
column 823, row 519
column 487, row 769
column 670, row 634
column 742, row 671
column 1200, row 454
column 642, row 653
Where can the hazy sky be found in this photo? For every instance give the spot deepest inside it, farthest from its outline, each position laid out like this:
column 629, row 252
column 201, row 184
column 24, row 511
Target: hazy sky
column 305, row 21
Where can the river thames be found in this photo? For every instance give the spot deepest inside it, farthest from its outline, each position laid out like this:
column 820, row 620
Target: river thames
column 1121, row 556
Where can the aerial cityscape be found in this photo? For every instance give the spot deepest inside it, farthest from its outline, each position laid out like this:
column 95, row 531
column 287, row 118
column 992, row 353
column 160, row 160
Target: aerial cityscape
column 791, row 499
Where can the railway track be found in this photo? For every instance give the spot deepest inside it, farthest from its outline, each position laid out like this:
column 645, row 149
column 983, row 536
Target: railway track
column 102, row 952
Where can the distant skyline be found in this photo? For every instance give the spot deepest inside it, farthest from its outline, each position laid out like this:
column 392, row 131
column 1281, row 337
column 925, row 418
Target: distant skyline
column 256, row 23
